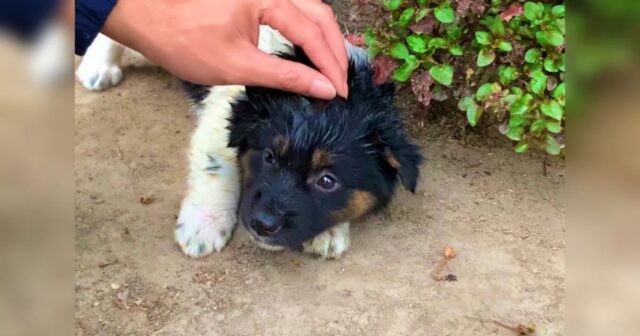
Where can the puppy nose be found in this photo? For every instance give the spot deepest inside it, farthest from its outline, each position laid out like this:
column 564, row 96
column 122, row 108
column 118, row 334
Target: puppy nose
column 265, row 224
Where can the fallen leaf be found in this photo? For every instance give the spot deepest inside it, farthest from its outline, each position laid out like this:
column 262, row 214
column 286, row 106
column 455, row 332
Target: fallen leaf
column 515, row 9
column 466, row 6
column 382, row 68
column 421, row 83
column 146, row 200
column 425, row 26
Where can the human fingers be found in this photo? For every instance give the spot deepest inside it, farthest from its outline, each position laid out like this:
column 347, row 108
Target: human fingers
column 307, row 34
column 266, row 70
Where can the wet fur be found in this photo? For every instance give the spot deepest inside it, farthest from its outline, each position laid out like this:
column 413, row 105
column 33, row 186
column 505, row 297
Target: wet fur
column 361, row 140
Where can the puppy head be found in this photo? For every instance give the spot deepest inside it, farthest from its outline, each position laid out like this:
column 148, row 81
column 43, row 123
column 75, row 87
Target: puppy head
column 310, row 164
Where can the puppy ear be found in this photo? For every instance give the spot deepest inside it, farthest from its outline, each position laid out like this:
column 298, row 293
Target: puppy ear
column 405, row 158
column 397, row 149
column 247, row 114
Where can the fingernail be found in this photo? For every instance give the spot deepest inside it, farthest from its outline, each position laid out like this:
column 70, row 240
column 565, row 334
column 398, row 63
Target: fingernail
column 322, row 89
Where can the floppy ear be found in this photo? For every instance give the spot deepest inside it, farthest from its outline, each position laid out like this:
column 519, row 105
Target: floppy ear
column 398, row 150
column 405, row 158
column 248, row 113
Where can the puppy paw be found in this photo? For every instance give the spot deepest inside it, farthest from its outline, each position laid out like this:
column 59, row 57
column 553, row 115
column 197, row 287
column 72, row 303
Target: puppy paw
column 98, row 77
column 330, row 244
column 201, row 230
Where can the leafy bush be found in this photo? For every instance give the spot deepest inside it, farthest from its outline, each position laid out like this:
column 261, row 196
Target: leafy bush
column 501, row 61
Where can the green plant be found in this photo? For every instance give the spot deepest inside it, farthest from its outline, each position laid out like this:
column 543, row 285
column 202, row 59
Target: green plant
column 503, row 61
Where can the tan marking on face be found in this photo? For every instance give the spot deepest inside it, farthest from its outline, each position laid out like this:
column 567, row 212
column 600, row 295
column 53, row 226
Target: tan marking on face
column 360, row 203
column 320, row 159
column 281, row 146
column 392, row 160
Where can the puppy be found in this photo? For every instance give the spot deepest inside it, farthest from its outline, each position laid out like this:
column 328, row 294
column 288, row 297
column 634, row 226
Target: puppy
column 295, row 171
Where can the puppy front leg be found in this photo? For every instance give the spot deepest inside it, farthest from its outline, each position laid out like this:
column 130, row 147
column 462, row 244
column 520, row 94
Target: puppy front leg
column 100, row 66
column 209, row 211
column 330, row 244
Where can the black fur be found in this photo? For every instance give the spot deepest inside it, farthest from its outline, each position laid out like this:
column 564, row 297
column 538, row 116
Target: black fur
column 196, row 92
column 363, row 134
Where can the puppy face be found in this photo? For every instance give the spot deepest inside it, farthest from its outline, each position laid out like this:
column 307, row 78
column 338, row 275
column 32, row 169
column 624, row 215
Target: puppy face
column 309, row 164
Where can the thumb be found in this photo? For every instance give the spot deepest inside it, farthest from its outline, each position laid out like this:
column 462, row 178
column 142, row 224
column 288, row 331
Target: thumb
column 277, row 73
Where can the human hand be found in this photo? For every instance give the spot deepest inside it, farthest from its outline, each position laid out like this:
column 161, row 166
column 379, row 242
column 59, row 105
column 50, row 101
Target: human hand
column 214, row 42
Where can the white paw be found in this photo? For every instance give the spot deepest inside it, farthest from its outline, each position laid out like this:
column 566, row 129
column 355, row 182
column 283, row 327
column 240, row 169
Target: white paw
column 98, row 77
column 330, row 244
column 200, row 229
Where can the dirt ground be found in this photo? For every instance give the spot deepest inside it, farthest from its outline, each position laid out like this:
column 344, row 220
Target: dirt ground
column 505, row 218
column 497, row 209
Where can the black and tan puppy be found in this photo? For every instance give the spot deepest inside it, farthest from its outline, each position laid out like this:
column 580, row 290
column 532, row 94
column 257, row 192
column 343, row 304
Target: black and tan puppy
column 309, row 167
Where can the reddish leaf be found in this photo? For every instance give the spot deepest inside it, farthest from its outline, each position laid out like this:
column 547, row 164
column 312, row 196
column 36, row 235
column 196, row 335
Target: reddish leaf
column 515, row 9
column 356, row 39
column 421, row 83
column 425, row 26
column 382, row 68
column 466, row 6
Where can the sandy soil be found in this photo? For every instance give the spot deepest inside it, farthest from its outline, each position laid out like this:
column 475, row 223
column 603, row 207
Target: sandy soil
column 501, row 213
column 505, row 218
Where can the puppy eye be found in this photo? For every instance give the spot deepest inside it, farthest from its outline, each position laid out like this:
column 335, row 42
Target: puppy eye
column 269, row 158
column 327, row 183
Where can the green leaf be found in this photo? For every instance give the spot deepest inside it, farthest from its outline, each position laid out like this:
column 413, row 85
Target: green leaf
column 537, row 126
column 515, row 133
column 550, row 65
column 403, row 72
column 485, row 57
column 560, row 64
column 495, row 25
column 507, row 74
column 474, row 113
column 370, row 38
column 444, row 13
column 416, row 43
column 554, row 126
column 436, row 43
column 373, row 51
column 422, row 14
column 454, row 32
column 559, row 91
column 516, row 120
column 466, row 102
column 393, row 4
column 521, row 147
column 521, row 105
column 552, row 146
column 483, row 38
column 533, row 55
column 552, row 109
column 538, row 82
column 533, row 10
column 422, row 2
column 443, row 74
column 399, row 50
column 554, row 37
column 541, row 37
column 509, row 99
column 558, row 11
column 560, row 24
column 483, row 92
column 456, row 50
column 406, row 16
column 504, row 46
column 517, row 91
